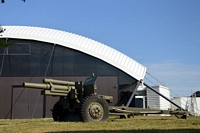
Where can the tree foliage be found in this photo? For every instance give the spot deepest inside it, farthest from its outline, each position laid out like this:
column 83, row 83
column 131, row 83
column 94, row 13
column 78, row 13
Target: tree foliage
column 4, row 44
column 3, row 1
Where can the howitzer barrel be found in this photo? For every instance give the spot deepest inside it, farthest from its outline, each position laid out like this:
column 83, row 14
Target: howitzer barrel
column 60, row 82
column 36, row 86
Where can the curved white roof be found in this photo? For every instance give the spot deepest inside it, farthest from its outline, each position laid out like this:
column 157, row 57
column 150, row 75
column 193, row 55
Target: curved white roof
column 80, row 43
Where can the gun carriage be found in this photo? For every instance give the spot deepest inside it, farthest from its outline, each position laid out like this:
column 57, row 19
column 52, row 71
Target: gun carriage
column 78, row 101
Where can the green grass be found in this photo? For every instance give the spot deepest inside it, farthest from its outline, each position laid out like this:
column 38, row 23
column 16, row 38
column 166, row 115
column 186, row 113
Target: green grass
column 141, row 124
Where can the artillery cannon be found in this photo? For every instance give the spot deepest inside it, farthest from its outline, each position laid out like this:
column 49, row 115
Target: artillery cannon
column 76, row 99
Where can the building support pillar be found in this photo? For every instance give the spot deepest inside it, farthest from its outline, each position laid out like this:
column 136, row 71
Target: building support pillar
column 133, row 93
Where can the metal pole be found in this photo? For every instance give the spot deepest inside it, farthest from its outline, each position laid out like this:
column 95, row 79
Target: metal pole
column 44, row 97
column 132, row 95
column 3, row 57
column 144, row 105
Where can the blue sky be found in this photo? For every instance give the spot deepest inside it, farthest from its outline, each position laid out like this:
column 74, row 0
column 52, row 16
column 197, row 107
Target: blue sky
column 163, row 35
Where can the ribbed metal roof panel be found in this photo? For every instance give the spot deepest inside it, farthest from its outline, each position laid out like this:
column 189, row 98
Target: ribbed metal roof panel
column 80, row 43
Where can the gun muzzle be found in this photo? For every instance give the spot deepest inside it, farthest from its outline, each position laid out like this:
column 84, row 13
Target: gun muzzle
column 36, row 86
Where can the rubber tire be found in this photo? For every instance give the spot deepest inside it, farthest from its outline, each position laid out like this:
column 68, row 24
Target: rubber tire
column 58, row 112
column 85, row 108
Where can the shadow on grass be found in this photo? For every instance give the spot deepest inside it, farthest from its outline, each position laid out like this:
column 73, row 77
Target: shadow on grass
column 134, row 131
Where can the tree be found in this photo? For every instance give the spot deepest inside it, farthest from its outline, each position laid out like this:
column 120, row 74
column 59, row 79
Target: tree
column 2, row 43
column 5, row 44
column 3, row 1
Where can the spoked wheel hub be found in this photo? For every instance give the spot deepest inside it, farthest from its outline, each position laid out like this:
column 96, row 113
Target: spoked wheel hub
column 95, row 111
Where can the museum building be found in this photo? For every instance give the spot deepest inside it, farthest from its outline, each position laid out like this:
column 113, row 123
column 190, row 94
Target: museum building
column 39, row 53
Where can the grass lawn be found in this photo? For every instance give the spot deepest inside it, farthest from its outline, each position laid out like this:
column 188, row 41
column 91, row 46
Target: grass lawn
column 141, row 124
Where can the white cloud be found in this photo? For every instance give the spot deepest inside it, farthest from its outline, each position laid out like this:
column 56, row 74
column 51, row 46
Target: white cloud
column 179, row 77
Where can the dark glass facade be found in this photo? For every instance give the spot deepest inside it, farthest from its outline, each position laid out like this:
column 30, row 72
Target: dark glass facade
column 29, row 60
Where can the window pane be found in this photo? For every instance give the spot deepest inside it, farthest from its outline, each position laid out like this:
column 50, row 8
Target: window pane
column 69, row 60
column 3, row 65
column 125, row 80
column 35, row 58
column 24, row 65
column 57, row 60
column 46, row 50
column 2, row 50
column 90, row 65
column 80, row 64
column 106, row 69
column 19, row 48
column 12, row 64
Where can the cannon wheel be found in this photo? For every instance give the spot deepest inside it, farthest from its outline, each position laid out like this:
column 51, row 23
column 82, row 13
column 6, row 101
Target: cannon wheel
column 94, row 109
column 58, row 112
